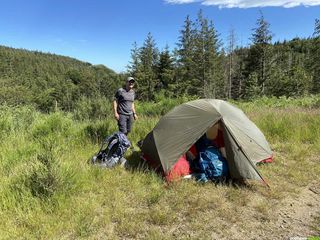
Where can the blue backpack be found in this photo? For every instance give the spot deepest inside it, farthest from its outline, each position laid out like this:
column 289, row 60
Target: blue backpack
column 212, row 164
column 112, row 150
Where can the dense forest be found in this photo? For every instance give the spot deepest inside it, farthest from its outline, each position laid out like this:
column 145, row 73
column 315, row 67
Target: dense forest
column 50, row 81
column 200, row 65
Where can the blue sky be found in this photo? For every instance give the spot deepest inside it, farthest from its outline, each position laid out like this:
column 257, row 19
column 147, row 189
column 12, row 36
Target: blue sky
column 103, row 31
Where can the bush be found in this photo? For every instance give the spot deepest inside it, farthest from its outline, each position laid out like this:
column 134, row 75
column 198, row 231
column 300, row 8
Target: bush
column 48, row 176
column 6, row 122
column 91, row 109
column 97, row 131
column 161, row 106
column 54, row 124
column 312, row 101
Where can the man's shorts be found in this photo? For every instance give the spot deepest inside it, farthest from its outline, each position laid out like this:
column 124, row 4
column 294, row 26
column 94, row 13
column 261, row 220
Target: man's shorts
column 125, row 123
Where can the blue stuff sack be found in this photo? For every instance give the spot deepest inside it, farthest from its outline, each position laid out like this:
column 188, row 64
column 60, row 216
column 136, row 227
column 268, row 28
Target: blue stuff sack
column 213, row 164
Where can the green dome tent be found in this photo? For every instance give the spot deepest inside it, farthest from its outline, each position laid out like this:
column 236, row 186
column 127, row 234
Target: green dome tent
column 180, row 128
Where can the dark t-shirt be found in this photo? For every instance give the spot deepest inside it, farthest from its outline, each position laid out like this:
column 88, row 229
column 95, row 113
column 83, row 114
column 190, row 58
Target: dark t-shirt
column 124, row 99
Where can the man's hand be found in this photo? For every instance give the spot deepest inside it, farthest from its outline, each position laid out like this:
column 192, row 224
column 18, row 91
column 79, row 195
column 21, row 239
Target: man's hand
column 135, row 116
column 116, row 116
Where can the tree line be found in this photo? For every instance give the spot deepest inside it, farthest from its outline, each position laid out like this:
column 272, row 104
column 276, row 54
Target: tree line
column 50, row 81
column 199, row 65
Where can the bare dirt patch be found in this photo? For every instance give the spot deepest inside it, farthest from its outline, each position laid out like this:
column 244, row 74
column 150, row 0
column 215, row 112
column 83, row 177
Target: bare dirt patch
column 297, row 215
column 293, row 217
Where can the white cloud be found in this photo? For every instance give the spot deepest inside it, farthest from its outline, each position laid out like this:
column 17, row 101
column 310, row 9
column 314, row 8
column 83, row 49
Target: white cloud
column 181, row 1
column 250, row 3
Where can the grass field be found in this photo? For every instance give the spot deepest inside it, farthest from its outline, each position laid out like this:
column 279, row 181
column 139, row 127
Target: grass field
column 48, row 191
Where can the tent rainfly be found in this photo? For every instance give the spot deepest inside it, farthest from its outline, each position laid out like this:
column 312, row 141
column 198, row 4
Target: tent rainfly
column 180, row 128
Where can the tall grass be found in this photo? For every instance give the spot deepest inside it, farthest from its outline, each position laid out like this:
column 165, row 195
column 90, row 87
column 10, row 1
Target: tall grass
column 48, row 191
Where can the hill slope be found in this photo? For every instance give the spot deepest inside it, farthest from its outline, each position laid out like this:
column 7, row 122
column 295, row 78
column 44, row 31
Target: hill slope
column 47, row 80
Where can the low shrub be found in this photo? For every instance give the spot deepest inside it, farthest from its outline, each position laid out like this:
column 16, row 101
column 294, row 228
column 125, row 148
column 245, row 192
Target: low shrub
column 93, row 109
column 97, row 131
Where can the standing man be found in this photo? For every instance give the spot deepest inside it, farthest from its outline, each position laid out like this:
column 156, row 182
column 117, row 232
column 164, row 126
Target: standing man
column 123, row 106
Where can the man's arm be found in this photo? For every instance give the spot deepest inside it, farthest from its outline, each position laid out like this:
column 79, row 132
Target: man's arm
column 134, row 112
column 115, row 107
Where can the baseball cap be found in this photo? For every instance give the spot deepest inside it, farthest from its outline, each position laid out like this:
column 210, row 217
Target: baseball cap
column 130, row 79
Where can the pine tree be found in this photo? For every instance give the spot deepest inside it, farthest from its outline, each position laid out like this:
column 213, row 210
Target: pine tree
column 200, row 80
column 184, row 55
column 135, row 60
column 231, row 61
column 209, row 79
column 217, row 83
column 316, row 32
column 260, row 51
column 238, row 81
column 165, row 70
column 251, row 89
column 146, row 72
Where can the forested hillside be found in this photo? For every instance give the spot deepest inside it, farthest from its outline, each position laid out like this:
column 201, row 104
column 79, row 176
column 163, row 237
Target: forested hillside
column 202, row 65
column 50, row 81
column 199, row 66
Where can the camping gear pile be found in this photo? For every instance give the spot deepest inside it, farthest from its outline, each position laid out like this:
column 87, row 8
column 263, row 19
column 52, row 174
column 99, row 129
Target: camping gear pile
column 112, row 150
column 165, row 147
column 212, row 166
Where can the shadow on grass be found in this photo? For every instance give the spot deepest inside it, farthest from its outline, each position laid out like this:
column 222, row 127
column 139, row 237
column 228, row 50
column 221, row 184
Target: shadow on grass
column 136, row 164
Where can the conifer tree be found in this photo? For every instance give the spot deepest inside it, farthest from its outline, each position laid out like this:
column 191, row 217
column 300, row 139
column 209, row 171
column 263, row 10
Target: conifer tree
column 146, row 72
column 184, row 55
column 215, row 60
column 260, row 52
column 200, row 80
column 135, row 60
column 165, row 70
column 231, row 62
column 200, row 58
column 239, row 73
column 316, row 32
column 251, row 89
